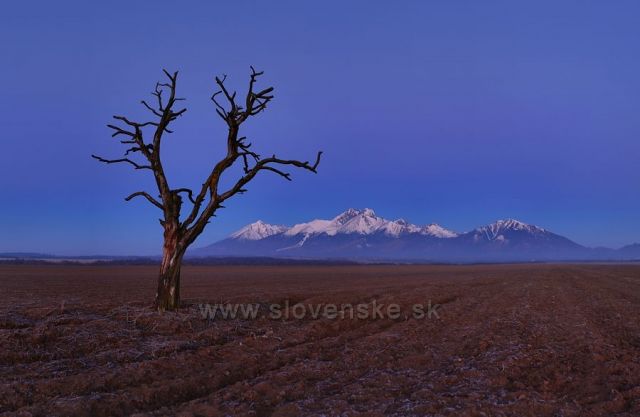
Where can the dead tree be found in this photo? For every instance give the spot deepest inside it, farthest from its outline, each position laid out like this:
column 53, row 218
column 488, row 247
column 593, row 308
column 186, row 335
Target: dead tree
column 180, row 230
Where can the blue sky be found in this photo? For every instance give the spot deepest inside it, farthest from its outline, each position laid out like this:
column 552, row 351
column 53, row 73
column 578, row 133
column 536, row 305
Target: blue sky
column 452, row 112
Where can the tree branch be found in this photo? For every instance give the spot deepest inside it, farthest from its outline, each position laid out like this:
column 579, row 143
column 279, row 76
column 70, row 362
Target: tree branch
column 147, row 196
column 125, row 160
column 188, row 191
column 266, row 165
column 151, row 109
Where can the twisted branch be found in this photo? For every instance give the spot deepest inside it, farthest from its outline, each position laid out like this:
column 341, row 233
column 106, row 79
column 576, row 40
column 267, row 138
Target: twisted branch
column 125, row 160
column 147, row 196
column 188, row 191
column 263, row 165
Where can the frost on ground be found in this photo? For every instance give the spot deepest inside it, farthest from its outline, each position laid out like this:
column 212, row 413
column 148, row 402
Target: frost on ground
column 521, row 340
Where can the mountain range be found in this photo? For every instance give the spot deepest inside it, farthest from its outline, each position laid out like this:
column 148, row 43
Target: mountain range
column 362, row 235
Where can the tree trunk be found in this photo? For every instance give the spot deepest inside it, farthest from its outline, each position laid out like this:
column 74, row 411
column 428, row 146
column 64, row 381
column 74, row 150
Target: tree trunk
column 168, row 294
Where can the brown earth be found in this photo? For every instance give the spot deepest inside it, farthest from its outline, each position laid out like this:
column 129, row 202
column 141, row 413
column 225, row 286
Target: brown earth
column 519, row 340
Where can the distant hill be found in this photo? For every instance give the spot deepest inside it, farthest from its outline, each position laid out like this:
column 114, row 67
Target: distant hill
column 630, row 251
column 24, row 255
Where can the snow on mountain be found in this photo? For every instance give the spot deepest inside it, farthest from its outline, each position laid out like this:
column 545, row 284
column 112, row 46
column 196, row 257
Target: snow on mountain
column 258, row 230
column 352, row 221
column 313, row 227
column 496, row 231
column 399, row 227
column 343, row 218
column 363, row 222
column 361, row 234
column 436, row 230
column 366, row 222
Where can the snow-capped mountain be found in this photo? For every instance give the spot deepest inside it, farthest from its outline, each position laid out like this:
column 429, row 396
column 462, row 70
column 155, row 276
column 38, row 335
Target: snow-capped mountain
column 364, row 222
column 361, row 234
column 497, row 230
column 258, row 230
column 512, row 239
column 436, row 230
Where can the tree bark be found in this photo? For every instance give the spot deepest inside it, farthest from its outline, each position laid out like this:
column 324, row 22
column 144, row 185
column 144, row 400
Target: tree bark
column 168, row 294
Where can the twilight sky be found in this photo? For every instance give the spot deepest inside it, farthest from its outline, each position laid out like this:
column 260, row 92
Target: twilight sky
column 455, row 112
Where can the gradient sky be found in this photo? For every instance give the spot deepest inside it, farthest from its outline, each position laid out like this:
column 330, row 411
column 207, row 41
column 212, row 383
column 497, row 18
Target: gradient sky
column 455, row 112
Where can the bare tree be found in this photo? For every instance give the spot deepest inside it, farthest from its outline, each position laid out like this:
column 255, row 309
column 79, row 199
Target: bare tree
column 181, row 231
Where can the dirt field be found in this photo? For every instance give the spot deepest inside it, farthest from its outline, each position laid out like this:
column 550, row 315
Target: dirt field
column 521, row 340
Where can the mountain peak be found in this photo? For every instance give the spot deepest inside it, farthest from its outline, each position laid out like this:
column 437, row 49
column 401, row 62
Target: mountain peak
column 513, row 224
column 258, row 230
column 352, row 212
column 344, row 217
column 496, row 230
column 368, row 212
column 362, row 221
